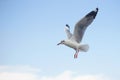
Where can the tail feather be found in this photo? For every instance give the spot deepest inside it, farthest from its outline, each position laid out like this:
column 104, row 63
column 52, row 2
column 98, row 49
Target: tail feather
column 84, row 47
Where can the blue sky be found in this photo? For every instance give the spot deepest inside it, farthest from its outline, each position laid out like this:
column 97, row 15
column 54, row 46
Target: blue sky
column 30, row 30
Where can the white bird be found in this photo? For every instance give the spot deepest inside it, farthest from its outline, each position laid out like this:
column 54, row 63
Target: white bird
column 74, row 39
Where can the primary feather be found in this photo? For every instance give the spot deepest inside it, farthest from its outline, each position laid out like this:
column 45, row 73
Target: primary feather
column 81, row 25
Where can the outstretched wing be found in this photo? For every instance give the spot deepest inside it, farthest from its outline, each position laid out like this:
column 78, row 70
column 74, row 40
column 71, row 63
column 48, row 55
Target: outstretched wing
column 67, row 30
column 81, row 25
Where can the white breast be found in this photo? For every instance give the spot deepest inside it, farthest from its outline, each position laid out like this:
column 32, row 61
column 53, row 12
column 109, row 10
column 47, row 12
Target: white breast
column 71, row 44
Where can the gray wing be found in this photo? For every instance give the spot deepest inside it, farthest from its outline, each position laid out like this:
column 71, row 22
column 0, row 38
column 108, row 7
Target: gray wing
column 81, row 25
column 67, row 30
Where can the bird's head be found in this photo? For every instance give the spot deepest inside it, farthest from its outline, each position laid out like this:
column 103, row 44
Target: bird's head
column 61, row 42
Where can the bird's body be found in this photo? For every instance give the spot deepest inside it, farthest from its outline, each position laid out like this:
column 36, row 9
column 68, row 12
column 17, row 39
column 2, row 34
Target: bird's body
column 76, row 46
column 74, row 39
column 71, row 44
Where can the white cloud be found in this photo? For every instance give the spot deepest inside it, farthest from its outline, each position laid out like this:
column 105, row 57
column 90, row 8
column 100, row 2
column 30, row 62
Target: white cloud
column 30, row 73
column 69, row 75
column 18, row 72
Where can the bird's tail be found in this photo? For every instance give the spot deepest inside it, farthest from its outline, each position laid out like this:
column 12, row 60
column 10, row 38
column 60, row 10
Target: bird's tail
column 84, row 47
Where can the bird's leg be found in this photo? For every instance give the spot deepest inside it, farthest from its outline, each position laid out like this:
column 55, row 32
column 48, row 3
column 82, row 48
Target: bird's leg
column 76, row 54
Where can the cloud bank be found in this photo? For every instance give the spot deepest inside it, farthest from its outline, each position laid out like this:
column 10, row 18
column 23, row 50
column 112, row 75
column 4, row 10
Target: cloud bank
column 30, row 73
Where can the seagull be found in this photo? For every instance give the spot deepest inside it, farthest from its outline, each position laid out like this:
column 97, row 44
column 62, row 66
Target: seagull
column 73, row 40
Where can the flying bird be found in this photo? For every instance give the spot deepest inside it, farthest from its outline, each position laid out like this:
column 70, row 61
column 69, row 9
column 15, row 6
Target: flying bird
column 73, row 40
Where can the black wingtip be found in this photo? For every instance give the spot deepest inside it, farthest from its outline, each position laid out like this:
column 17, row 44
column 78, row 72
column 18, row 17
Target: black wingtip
column 67, row 25
column 95, row 12
column 92, row 13
column 97, row 9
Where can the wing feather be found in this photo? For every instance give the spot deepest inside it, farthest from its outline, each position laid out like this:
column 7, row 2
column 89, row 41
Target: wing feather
column 67, row 30
column 81, row 25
